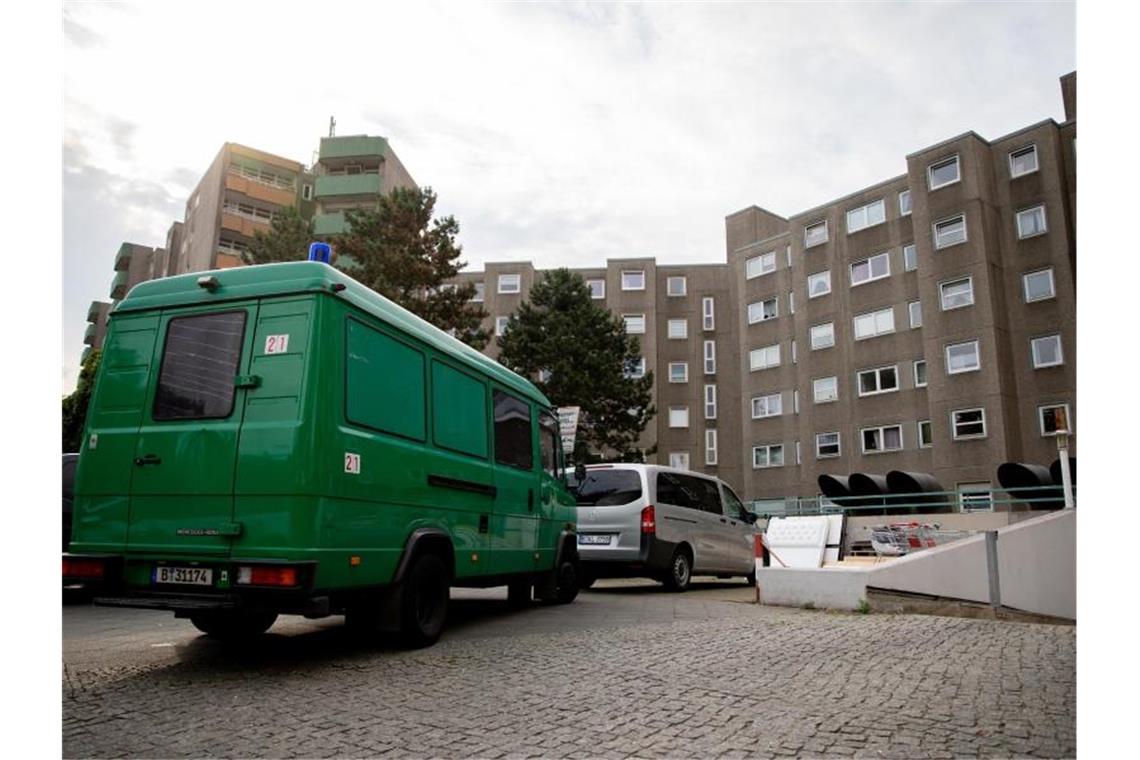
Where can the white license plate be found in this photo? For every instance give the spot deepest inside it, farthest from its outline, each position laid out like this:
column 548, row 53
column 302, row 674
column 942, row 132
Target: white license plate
column 190, row 576
column 595, row 540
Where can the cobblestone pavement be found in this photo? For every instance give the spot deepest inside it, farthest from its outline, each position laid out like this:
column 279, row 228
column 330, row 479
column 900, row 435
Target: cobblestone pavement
column 626, row 670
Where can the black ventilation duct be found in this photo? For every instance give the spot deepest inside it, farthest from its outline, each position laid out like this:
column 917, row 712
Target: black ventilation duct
column 917, row 492
column 868, row 490
column 1055, row 471
column 834, row 487
column 1024, row 481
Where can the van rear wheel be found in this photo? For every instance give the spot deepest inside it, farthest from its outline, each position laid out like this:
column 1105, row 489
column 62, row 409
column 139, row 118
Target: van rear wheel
column 233, row 625
column 423, row 602
column 680, row 571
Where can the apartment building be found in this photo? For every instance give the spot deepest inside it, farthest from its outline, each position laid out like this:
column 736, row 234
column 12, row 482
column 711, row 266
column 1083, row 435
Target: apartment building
column 353, row 171
column 925, row 323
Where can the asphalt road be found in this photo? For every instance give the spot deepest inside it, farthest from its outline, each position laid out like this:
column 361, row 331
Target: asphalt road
column 627, row 670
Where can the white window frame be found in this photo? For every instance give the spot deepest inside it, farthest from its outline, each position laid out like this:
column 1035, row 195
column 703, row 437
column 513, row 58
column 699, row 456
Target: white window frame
column 946, row 222
column 758, row 317
column 824, row 275
column 927, row 441
column 673, row 279
column 915, row 317
column 1032, row 210
column 791, row 302
column 767, row 448
column 1031, row 148
column 710, row 401
column 955, row 422
column 710, row 357
column 630, row 329
column 599, row 296
column 501, row 325
column 881, row 430
column 678, row 417
column 679, row 460
column 862, row 216
column 788, row 256
column 969, row 280
column 821, row 345
column 504, row 279
column 964, row 489
column 640, row 273
column 480, row 292
column 905, row 210
column 758, row 266
column 814, row 225
column 1052, row 285
column 795, row 402
column 710, row 447
column 956, row 160
column 1055, row 337
column 878, row 373
column 977, row 357
column 815, row 389
column 762, row 406
column 910, row 264
column 708, row 313
column 925, row 369
column 838, row 445
column 766, row 353
column 875, row 317
column 870, row 261
column 639, row 372
column 672, row 334
column 684, row 372
column 1041, row 418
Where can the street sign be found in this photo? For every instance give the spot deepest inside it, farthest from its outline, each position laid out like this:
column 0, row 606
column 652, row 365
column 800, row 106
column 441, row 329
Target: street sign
column 568, row 426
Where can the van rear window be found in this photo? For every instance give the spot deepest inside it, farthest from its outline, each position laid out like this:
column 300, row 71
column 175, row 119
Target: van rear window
column 608, row 488
column 199, row 363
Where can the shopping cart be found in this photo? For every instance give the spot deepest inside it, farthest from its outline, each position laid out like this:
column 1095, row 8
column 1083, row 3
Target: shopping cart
column 898, row 539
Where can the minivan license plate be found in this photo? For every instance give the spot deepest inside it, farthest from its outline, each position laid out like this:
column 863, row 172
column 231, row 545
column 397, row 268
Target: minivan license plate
column 588, row 539
column 191, row 576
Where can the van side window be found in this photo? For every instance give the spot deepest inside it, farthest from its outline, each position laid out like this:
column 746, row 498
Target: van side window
column 548, row 439
column 385, row 383
column 703, row 494
column 459, row 411
column 512, row 432
column 732, row 504
column 677, row 490
column 199, row 363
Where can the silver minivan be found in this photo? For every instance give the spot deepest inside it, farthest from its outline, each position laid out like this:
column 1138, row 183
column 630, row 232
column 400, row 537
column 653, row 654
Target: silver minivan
column 643, row 520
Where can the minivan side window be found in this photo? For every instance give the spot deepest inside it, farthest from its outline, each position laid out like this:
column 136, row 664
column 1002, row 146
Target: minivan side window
column 707, row 494
column 199, row 363
column 733, row 506
column 512, row 432
column 669, row 491
column 548, row 437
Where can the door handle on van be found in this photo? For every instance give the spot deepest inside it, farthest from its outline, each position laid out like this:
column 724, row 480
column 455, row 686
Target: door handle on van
column 148, row 459
column 247, row 381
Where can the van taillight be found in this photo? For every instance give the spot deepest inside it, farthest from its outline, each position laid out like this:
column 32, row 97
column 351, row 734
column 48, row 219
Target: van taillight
column 267, row 576
column 648, row 520
column 82, row 568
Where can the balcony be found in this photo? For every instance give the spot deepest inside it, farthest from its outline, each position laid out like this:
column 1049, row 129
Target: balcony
column 352, row 146
column 119, row 286
column 243, row 225
column 123, row 259
column 95, row 310
column 261, row 191
column 348, row 184
column 89, row 334
column 330, row 224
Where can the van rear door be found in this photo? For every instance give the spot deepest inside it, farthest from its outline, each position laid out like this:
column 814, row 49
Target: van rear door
column 182, row 483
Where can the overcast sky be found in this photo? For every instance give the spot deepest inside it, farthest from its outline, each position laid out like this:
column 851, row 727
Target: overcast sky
column 558, row 133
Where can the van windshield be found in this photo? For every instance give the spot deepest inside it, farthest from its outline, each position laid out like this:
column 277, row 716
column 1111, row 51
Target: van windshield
column 608, row 488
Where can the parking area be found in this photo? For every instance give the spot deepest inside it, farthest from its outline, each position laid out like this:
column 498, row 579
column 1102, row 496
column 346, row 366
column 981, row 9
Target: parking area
column 628, row 669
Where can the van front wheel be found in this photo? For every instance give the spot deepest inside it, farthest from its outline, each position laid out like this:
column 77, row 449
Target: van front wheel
column 233, row 625
column 423, row 602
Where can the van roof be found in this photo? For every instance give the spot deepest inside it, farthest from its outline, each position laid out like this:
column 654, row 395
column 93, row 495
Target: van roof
column 292, row 277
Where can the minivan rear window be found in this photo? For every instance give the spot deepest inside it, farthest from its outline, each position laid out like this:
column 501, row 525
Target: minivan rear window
column 199, row 364
column 608, row 488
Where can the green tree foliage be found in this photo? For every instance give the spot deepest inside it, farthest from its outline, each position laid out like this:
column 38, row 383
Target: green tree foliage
column 402, row 252
column 287, row 240
column 578, row 354
column 75, row 405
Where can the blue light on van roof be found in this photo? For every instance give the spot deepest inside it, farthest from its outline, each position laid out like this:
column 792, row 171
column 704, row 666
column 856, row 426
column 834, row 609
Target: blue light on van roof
column 321, row 252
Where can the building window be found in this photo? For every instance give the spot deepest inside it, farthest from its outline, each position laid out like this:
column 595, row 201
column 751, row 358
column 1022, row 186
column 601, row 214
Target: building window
column 597, row 289
column 795, row 402
column 708, row 321
column 815, row 234
column 877, row 440
column 1031, row 222
column 633, row 280
column 635, row 368
column 762, row 311
column 1047, row 351
column 710, row 402
column 920, row 373
column 760, row 265
column 904, row 203
column 872, row 382
column 788, row 256
column 501, row 325
column 763, row 358
column 875, row 323
column 875, row 268
column 819, row 284
column 1023, row 161
column 957, row 293
column 925, row 435
column 825, row 389
column 678, row 329
column 710, row 447
column 968, row 423
column 676, row 286
column 1053, row 417
column 771, row 405
column 480, row 291
column 771, row 455
column 509, row 283
column 679, row 459
column 1039, row 285
column 975, row 497
column 791, row 302
column 822, row 336
column 950, row 232
column 678, row 416
column 678, row 372
column 307, row 192
column 962, row 357
column 866, row 216
column 826, row 445
column 910, row 257
column 710, row 357
column 634, row 323
column 915, row 309
column 943, row 173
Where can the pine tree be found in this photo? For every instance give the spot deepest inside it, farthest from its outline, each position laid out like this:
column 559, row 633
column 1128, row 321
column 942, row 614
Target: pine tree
column 579, row 355
column 287, row 240
column 75, row 405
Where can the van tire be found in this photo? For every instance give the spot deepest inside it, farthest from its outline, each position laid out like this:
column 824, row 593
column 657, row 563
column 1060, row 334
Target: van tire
column 423, row 602
column 680, row 572
column 568, row 581
column 519, row 593
column 233, row 625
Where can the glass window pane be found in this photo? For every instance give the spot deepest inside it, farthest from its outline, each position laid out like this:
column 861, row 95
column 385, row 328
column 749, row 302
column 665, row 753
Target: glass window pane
column 512, row 432
column 199, row 363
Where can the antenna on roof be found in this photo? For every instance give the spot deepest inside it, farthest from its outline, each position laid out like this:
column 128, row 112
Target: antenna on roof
column 332, row 127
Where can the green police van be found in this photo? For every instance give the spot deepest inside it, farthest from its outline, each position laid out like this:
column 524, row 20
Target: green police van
column 279, row 439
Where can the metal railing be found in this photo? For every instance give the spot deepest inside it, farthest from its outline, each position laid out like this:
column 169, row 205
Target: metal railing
column 935, row 502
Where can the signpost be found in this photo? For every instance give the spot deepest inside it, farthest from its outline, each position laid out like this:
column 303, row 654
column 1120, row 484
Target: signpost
column 568, row 426
column 1062, row 422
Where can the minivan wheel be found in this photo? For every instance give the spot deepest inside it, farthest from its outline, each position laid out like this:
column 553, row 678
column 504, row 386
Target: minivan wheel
column 680, row 571
column 568, row 581
column 423, row 602
column 233, row 625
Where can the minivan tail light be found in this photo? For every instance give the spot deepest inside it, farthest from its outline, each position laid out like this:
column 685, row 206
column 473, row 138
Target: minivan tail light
column 267, row 576
column 648, row 520
column 82, row 568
